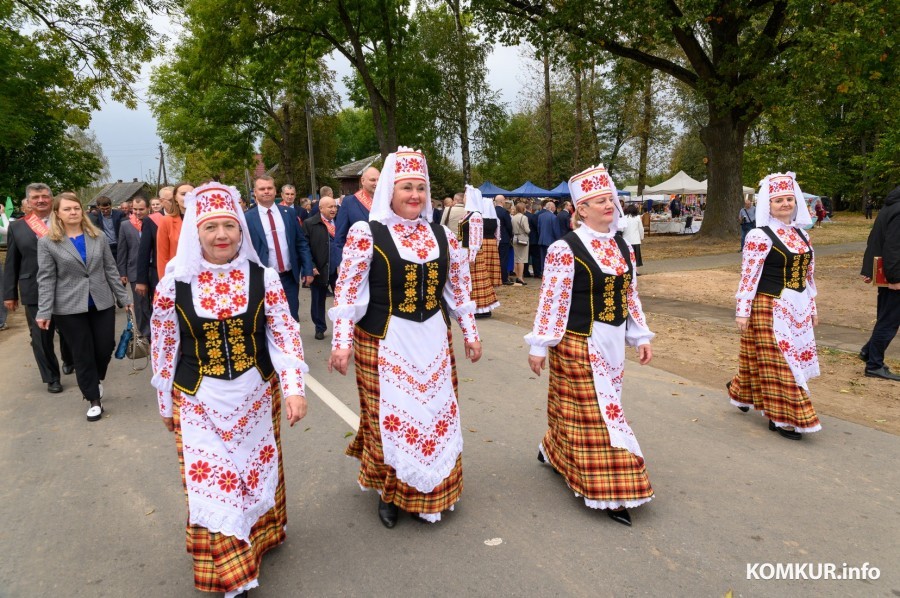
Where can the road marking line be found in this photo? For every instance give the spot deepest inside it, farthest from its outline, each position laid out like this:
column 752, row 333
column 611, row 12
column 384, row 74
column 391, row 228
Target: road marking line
column 344, row 412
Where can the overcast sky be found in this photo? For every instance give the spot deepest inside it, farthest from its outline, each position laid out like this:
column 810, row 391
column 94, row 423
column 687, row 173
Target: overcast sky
column 131, row 143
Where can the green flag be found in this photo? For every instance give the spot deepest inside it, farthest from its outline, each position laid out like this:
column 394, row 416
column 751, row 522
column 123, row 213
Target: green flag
column 9, row 206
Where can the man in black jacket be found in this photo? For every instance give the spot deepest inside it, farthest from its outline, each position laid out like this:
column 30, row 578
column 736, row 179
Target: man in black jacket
column 147, row 277
column 320, row 231
column 109, row 221
column 884, row 242
column 20, row 284
column 504, row 221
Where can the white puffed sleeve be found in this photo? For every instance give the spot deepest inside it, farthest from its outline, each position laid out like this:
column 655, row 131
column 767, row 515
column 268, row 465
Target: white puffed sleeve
column 756, row 248
column 555, row 300
column 165, row 342
column 283, row 336
column 456, row 290
column 351, row 294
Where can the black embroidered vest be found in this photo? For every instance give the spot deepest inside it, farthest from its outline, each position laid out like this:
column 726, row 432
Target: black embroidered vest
column 222, row 349
column 403, row 289
column 462, row 232
column 783, row 269
column 490, row 228
column 596, row 295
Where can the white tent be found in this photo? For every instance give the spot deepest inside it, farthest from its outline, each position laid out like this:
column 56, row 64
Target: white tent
column 747, row 190
column 681, row 184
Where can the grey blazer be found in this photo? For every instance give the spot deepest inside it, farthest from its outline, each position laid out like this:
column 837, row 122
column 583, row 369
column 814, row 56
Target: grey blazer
column 65, row 281
column 127, row 251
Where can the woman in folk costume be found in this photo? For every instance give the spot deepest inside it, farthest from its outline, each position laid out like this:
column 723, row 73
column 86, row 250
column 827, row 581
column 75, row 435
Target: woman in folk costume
column 225, row 350
column 485, row 252
column 588, row 312
column 776, row 313
column 401, row 280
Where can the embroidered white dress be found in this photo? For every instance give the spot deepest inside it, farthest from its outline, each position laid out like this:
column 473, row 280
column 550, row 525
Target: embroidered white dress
column 606, row 344
column 476, row 235
column 793, row 311
column 230, row 456
column 419, row 413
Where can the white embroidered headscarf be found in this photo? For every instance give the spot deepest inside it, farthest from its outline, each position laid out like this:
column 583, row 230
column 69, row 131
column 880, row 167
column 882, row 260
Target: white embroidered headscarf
column 592, row 183
column 778, row 185
column 403, row 164
column 488, row 212
column 473, row 199
column 212, row 200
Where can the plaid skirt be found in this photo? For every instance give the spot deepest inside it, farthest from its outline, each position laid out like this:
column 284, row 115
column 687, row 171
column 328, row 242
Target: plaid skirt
column 366, row 446
column 491, row 253
column 224, row 563
column 764, row 380
column 577, row 443
column 483, row 293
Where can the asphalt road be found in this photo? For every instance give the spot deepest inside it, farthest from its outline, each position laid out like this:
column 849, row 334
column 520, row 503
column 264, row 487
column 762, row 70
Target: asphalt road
column 97, row 509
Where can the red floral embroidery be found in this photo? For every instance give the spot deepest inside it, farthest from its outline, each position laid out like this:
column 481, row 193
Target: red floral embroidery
column 164, row 303
column 428, row 447
column 267, row 453
column 228, row 481
column 253, row 478
column 441, row 427
column 453, row 409
column 613, row 412
column 223, row 288
column 412, row 435
column 236, row 276
column 200, row 471
column 392, row 423
column 205, row 277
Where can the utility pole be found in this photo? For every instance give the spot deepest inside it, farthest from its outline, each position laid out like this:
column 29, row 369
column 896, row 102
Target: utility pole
column 161, row 171
column 312, row 161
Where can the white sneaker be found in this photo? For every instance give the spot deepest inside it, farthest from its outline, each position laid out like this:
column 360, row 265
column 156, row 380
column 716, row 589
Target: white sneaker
column 94, row 413
column 101, row 389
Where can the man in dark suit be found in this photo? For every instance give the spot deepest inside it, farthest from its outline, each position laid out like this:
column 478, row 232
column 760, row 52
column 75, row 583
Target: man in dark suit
column 320, row 229
column 355, row 208
column 109, row 221
column 548, row 229
column 146, row 272
column 534, row 250
column 127, row 260
column 279, row 241
column 20, row 284
column 565, row 217
column 504, row 220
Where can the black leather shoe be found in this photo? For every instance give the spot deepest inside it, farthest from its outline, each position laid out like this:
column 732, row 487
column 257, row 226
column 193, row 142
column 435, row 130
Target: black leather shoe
column 863, row 356
column 520, row 281
column 621, row 516
column 743, row 408
column 789, row 434
column 486, row 314
column 883, row 372
column 508, row 283
column 387, row 512
column 54, row 387
column 319, row 335
column 541, row 457
column 68, row 368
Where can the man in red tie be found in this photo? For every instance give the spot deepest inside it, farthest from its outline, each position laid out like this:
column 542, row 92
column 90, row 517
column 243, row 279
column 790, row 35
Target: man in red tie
column 279, row 241
column 320, row 230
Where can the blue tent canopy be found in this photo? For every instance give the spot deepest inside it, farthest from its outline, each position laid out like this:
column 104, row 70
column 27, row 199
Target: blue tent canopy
column 529, row 189
column 489, row 189
column 623, row 192
column 561, row 190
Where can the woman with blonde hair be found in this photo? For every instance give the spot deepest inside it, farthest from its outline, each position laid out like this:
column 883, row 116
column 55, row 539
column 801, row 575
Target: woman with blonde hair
column 402, row 280
column 521, row 232
column 79, row 287
column 589, row 311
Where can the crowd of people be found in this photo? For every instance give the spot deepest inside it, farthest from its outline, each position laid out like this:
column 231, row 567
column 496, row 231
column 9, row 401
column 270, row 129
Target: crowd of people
column 215, row 285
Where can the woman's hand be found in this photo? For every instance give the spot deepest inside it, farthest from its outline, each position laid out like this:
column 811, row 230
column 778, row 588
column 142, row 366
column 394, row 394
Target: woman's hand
column 743, row 324
column 169, row 423
column 339, row 360
column 815, row 321
column 537, row 364
column 473, row 351
column 42, row 324
column 645, row 354
column 296, row 408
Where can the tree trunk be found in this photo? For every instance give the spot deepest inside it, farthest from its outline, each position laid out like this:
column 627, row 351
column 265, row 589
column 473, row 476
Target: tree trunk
column 595, row 133
column 549, row 120
column 579, row 121
column 462, row 95
column 285, row 146
column 723, row 138
column 646, row 123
